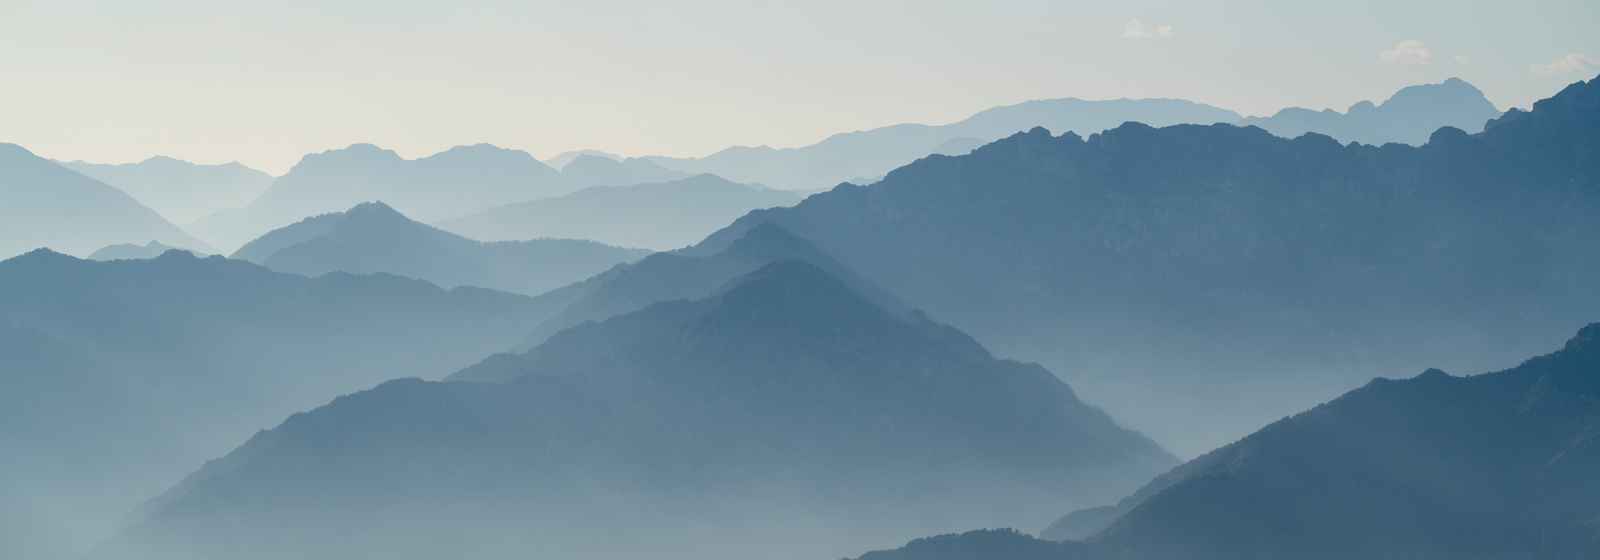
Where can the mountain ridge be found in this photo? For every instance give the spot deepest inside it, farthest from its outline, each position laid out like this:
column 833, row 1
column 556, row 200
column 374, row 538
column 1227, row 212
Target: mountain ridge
column 764, row 391
column 374, row 237
column 1257, row 259
column 46, row 204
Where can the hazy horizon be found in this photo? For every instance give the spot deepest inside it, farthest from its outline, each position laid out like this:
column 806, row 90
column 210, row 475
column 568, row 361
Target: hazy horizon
column 266, row 85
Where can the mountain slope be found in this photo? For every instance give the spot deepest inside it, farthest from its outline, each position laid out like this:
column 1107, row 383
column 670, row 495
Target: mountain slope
column 43, row 204
column 665, row 277
column 1499, row 465
column 784, row 400
column 181, row 191
column 1492, row 466
column 122, row 375
column 1168, row 269
column 452, row 183
column 372, row 237
column 1409, row 117
column 664, row 215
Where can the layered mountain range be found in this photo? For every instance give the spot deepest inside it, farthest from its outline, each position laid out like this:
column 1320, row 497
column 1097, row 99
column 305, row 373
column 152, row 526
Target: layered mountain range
column 785, row 404
column 121, row 376
column 657, row 215
column 1493, row 466
column 181, row 191
column 43, row 204
column 1164, row 270
column 373, row 237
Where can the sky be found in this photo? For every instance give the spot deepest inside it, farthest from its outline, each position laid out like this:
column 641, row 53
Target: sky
column 264, row 83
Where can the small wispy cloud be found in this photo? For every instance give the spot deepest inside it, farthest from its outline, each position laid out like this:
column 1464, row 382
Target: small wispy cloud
column 1571, row 63
column 1409, row 52
column 1137, row 29
column 1463, row 60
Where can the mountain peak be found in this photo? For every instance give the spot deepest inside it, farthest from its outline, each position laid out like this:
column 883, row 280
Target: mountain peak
column 785, row 277
column 41, row 253
column 766, row 240
column 1453, row 88
column 375, row 207
column 1588, row 338
column 796, row 296
column 482, row 149
column 353, row 154
column 10, row 151
column 1434, row 373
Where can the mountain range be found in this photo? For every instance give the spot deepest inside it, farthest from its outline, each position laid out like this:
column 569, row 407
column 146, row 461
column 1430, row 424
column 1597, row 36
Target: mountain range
column 1408, row 117
column 448, row 184
column 600, row 170
column 1493, row 466
column 179, row 190
column 375, row 238
column 864, row 156
column 1165, row 269
column 660, row 215
column 784, row 405
column 121, row 376
column 43, row 204
column 669, row 276
column 127, row 251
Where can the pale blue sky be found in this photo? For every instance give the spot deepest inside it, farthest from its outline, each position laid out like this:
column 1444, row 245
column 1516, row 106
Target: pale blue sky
column 265, row 82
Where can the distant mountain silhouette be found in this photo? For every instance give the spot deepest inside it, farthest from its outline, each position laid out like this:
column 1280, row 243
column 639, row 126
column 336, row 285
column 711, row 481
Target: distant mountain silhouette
column 784, row 400
column 562, row 159
column 126, row 251
column 372, row 237
column 181, row 191
column 872, row 153
column 593, row 170
column 665, row 215
column 1435, row 467
column 121, row 376
column 1409, row 117
column 995, row 544
column 1166, row 270
column 449, row 184
column 665, row 277
column 43, row 204
column 1499, row 465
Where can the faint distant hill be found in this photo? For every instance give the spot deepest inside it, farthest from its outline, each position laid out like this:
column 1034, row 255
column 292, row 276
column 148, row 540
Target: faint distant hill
column 372, row 237
column 1168, row 269
column 996, row 544
column 561, row 160
column 593, row 170
column 872, row 153
column 449, row 184
column 121, row 376
column 784, row 408
column 657, row 215
column 1408, row 117
column 179, row 190
column 126, row 251
column 43, row 204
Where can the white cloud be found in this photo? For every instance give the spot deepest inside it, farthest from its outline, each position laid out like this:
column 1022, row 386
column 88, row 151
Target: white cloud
column 1462, row 60
column 1572, row 62
column 1409, row 52
column 1136, row 29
